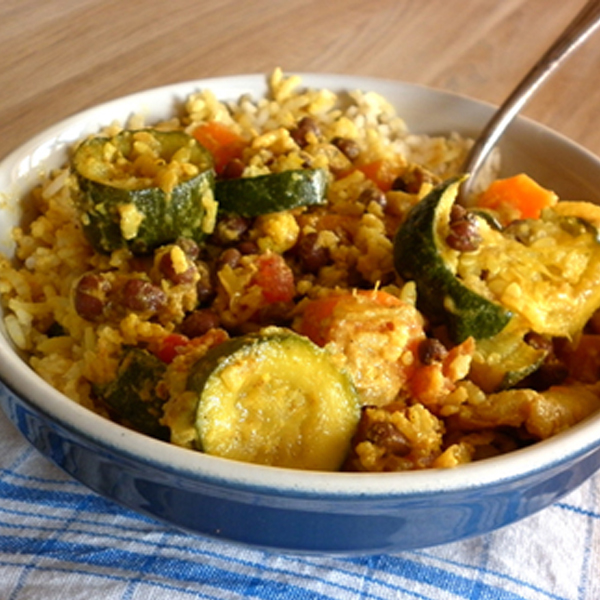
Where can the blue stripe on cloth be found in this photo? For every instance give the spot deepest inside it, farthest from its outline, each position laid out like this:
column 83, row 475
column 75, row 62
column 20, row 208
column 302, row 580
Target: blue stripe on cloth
column 576, row 509
column 112, row 577
column 583, row 579
column 502, row 577
column 403, row 568
column 62, row 499
column 461, row 586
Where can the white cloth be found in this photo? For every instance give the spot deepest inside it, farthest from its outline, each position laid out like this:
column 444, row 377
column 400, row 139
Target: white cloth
column 58, row 540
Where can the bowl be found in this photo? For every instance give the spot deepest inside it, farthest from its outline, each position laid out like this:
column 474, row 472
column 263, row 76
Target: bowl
column 282, row 509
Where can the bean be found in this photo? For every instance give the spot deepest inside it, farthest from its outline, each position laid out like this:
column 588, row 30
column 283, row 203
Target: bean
column 464, row 233
column 205, row 289
column 373, row 195
column 538, row 341
column 248, row 247
column 411, row 181
column 305, row 127
column 385, row 435
column 230, row 230
column 234, row 169
column 230, row 257
column 431, row 351
column 199, row 322
column 189, row 247
column 349, row 147
column 311, row 255
column 140, row 295
column 167, row 268
column 90, row 296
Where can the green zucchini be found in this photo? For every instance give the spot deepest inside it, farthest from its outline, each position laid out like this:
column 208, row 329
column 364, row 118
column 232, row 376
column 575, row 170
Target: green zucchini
column 275, row 192
column 502, row 361
column 422, row 255
column 144, row 188
column 131, row 398
column 274, row 398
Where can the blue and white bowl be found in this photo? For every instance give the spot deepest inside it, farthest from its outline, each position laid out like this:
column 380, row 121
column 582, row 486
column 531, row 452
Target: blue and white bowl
column 280, row 509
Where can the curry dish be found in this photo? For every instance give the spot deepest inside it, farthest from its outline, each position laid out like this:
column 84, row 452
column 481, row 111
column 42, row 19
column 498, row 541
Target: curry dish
column 289, row 281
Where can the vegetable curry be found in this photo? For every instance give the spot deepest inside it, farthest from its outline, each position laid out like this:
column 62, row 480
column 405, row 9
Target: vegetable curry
column 289, row 281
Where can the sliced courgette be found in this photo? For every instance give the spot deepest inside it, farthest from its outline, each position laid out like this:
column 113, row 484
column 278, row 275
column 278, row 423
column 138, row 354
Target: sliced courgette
column 275, row 192
column 545, row 270
column 131, row 398
column 144, row 188
column 502, row 361
column 422, row 255
column 274, row 398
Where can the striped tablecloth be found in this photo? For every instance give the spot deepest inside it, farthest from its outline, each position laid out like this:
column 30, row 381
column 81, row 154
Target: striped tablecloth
column 58, row 540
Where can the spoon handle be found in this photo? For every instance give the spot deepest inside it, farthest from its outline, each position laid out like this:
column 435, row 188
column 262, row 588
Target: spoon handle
column 580, row 28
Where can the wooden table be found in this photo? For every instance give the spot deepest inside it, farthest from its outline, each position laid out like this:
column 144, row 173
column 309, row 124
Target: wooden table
column 60, row 56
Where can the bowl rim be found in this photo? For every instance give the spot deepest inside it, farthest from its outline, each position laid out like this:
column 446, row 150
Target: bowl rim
column 22, row 381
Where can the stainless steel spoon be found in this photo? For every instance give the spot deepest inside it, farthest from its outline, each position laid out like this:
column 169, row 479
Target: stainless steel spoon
column 580, row 28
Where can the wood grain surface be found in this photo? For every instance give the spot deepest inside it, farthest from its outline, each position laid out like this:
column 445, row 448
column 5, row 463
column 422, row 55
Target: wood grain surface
column 60, row 56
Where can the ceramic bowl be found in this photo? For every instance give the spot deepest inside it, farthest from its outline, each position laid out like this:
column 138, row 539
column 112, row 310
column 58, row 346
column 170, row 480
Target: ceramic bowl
column 280, row 509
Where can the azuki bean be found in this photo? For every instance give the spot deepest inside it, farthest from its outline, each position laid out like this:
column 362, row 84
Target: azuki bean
column 199, row 322
column 230, row 257
column 234, row 169
column 376, row 195
column 348, row 147
column 189, row 247
column 305, row 126
column 230, row 230
column 431, row 351
column 204, row 288
column 385, row 435
column 167, row 268
column 464, row 233
column 141, row 296
column 311, row 255
column 90, row 296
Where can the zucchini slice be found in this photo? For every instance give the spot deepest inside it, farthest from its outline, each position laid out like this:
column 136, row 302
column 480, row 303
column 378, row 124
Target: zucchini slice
column 131, row 397
column 422, row 255
column 144, row 188
column 502, row 361
column 274, row 398
column 263, row 194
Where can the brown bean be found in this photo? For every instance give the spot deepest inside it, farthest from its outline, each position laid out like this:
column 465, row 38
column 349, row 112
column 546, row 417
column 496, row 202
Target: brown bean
column 234, row 169
column 189, row 247
column 411, row 181
column 373, row 195
column 305, row 127
column 230, row 230
column 199, row 322
column 248, row 247
column 431, row 351
column 464, row 232
column 90, row 296
column 311, row 255
column 348, row 147
column 385, row 435
column 167, row 268
column 538, row 341
column 205, row 289
column 140, row 295
column 230, row 257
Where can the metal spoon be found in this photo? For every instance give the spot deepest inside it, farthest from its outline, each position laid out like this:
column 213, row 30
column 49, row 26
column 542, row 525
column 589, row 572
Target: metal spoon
column 580, row 28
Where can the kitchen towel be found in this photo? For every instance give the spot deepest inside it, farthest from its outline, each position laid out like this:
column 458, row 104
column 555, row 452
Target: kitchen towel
column 59, row 540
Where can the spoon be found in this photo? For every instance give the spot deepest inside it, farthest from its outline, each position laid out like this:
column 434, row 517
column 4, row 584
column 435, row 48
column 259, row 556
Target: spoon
column 580, row 28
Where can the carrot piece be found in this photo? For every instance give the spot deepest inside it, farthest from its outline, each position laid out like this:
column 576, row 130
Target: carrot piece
column 316, row 318
column 519, row 196
column 381, row 173
column 224, row 144
column 275, row 279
